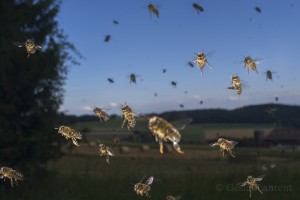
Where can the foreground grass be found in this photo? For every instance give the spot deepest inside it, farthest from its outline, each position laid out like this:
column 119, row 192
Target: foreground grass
column 198, row 174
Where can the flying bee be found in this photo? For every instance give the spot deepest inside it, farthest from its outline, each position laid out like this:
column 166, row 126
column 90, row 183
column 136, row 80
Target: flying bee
column 132, row 78
column 276, row 99
column 116, row 22
column 266, row 167
column 68, row 132
column 170, row 197
column 164, row 131
column 164, row 70
column 155, row 94
column 252, row 184
column 191, row 64
column 201, row 102
column 269, row 75
column 12, row 175
column 250, row 64
column 144, row 188
column 181, row 106
column 271, row 111
column 225, row 145
column 174, row 84
column 129, row 116
column 110, row 80
column 201, row 61
column 257, row 9
column 105, row 151
column 101, row 114
column 198, row 8
column 153, row 9
column 30, row 46
column 237, row 84
column 107, row 38
column 115, row 141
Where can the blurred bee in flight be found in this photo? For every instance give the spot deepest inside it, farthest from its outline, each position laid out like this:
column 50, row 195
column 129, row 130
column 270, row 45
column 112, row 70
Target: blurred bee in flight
column 170, row 197
column 191, row 64
column 116, row 22
column 252, row 184
column 201, row 61
column 101, row 114
column 12, row 175
column 181, row 106
column 68, row 132
column 267, row 167
column 115, row 141
column 29, row 45
column 198, row 8
column 174, row 84
column 132, row 78
column 129, row 117
column 107, row 38
column 164, row 70
column 225, row 145
column 155, row 94
column 269, row 75
column 276, row 99
column 257, row 9
column 250, row 64
column 201, row 102
column 153, row 9
column 105, row 151
column 236, row 84
column 110, row 80
column 164, row 131
column 271, row 111
column 144, row 188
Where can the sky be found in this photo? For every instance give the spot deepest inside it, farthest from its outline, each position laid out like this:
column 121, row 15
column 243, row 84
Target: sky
column 227, row 31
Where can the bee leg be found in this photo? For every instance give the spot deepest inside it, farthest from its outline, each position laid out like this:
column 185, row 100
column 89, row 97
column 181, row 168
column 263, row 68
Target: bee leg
column 259, row 190
column 128, row 126
column 124, row 121
column 223, row 153
column 75, row 142
column 161, row 147
column 11, row 182
column 177, row 147
column 230, row 152
column 107, row 159
column 250, row 193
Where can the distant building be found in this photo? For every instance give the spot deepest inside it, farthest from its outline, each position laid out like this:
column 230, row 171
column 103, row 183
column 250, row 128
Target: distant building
column 283, row 136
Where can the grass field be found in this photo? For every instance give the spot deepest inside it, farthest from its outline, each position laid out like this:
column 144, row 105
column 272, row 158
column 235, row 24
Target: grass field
column 200, row 173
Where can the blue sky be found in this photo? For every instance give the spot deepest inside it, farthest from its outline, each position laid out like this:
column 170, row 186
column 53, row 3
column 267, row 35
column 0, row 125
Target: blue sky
column 145, row 45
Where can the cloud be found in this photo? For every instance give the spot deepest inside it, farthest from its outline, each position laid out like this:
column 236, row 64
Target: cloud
column 238, row 98
column 87, row 108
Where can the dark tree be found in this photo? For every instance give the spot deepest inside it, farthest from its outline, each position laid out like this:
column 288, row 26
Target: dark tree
column 31, row 88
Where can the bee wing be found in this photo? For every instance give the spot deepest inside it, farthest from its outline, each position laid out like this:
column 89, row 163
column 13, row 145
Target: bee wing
column 107, row 159
column 110, row 152
column 181, row 124
column 244, row 184
column 150, row 180
column 258, row 179
column 75, row 142
column 232, row 144
column 19, row 44
column 273, row 165
column 214, row 144
column 38, row 47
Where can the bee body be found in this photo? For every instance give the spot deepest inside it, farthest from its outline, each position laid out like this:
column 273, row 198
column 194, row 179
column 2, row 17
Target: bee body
column 68, row 132
column 269, row 75
column 164, row 131
column 13, row 175
column 237, row 85
column 101, row 114
column 201, row 61
column 198, row 8
column 105, row 151
column 250, row 64
column 144, row 188
column 252, row 184
column 115, row 141
column 128, row 117
column 29, row 45
column 153, row 9
column 225, row 145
